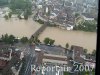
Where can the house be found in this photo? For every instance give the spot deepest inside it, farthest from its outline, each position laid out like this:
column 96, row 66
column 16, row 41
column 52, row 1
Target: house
column 17, row 57
column 90, row 61
column 5, row 52
column 78, row 54
column 45, row 60
column 4, row 11
column 10, row 57
column 3, row 64
column 87, row 16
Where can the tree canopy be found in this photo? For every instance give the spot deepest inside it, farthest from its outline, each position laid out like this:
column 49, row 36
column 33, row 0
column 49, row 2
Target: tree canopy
column 8, row 39
column 87, row 26
column 49, row 41
column 3, row 2
column 24, row 40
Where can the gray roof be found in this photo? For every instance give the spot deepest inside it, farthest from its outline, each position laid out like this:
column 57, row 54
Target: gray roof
column 52, row 49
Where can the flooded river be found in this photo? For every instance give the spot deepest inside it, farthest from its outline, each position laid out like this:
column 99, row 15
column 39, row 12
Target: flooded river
column 79, row 38
column 17, row 27
column 21, row 28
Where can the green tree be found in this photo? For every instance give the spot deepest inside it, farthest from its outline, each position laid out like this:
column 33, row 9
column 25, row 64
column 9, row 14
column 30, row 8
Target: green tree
column 51, row 42
column 9, row 15
column 46, row 41
column 25, row 15
column 77, row 14
column 19, row 16
column 67, row 45
column 24, row 40
column 85, row 50
column 6, row 17
column 21, row 5
column 66, row 73
column 3, row 2
column 9, row 39
column 5, row 38
column 94, row 52
column 87, row 26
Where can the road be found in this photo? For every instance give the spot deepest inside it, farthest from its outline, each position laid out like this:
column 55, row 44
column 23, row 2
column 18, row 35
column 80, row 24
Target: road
column 30, row 60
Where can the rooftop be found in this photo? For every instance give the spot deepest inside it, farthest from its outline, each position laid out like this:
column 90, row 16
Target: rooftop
column 57, row 50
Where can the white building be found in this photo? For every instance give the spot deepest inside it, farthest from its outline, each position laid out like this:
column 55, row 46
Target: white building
column 86, row 18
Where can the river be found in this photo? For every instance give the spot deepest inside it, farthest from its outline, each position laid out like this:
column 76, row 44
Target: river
column 21, row 28
column 17, row 27
column 87, row 40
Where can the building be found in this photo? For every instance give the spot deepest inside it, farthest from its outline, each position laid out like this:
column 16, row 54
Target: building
column 87, row 16
column 78, row 54
column 44, row 60
column 56, row 50
column 5, row 55
column 10, row 59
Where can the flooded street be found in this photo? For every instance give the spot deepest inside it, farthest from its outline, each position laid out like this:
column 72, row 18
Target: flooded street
column 17, row 27
column 79, row 38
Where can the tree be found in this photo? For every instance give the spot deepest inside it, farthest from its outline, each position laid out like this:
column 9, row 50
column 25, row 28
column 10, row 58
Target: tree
column 6, row 17
column 77, row 14
column 3, row 2
column 8, row 39
column 19, row 16
column 46, row 41
column 25, row 16
column 67, row 45
column 11, row 39
column 66, row 73
column 22, row 5
column 51, row 42
column 4, row 38
column 94, row 52
column 24, row 40
column 9, row 15
column 85, row 50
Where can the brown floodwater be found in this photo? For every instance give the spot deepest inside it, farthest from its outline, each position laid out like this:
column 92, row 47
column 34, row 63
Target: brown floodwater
column 79, row 38
column 21, row 28
column 17, row 27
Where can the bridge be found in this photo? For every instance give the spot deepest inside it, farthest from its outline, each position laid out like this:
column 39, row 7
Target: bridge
column 39, row 31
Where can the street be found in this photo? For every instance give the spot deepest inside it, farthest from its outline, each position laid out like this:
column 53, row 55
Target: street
column 30, row 60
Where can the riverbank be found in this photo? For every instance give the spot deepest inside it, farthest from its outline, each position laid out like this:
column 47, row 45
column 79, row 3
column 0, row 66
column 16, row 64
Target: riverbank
column 79, row 38
column 18, row 28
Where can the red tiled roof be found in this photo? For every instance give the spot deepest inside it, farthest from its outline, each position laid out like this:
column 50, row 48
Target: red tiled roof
column 3, row 64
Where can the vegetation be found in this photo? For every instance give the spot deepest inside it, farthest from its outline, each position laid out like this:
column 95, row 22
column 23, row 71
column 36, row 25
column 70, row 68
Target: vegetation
column 49, row 41
column 26, row 15
column 24, row 40
column 3, row 2
column 94, row 53
column 36, row 40
column 77, row 14
column 66, row 73
column 21, row 6
column 67, row 45
column 85, row 50
column 9, row 39
column 10, row 14
column 6, row 17
column 40, row 21
column 46, row 41
column 19, row 16
column 87, row 26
